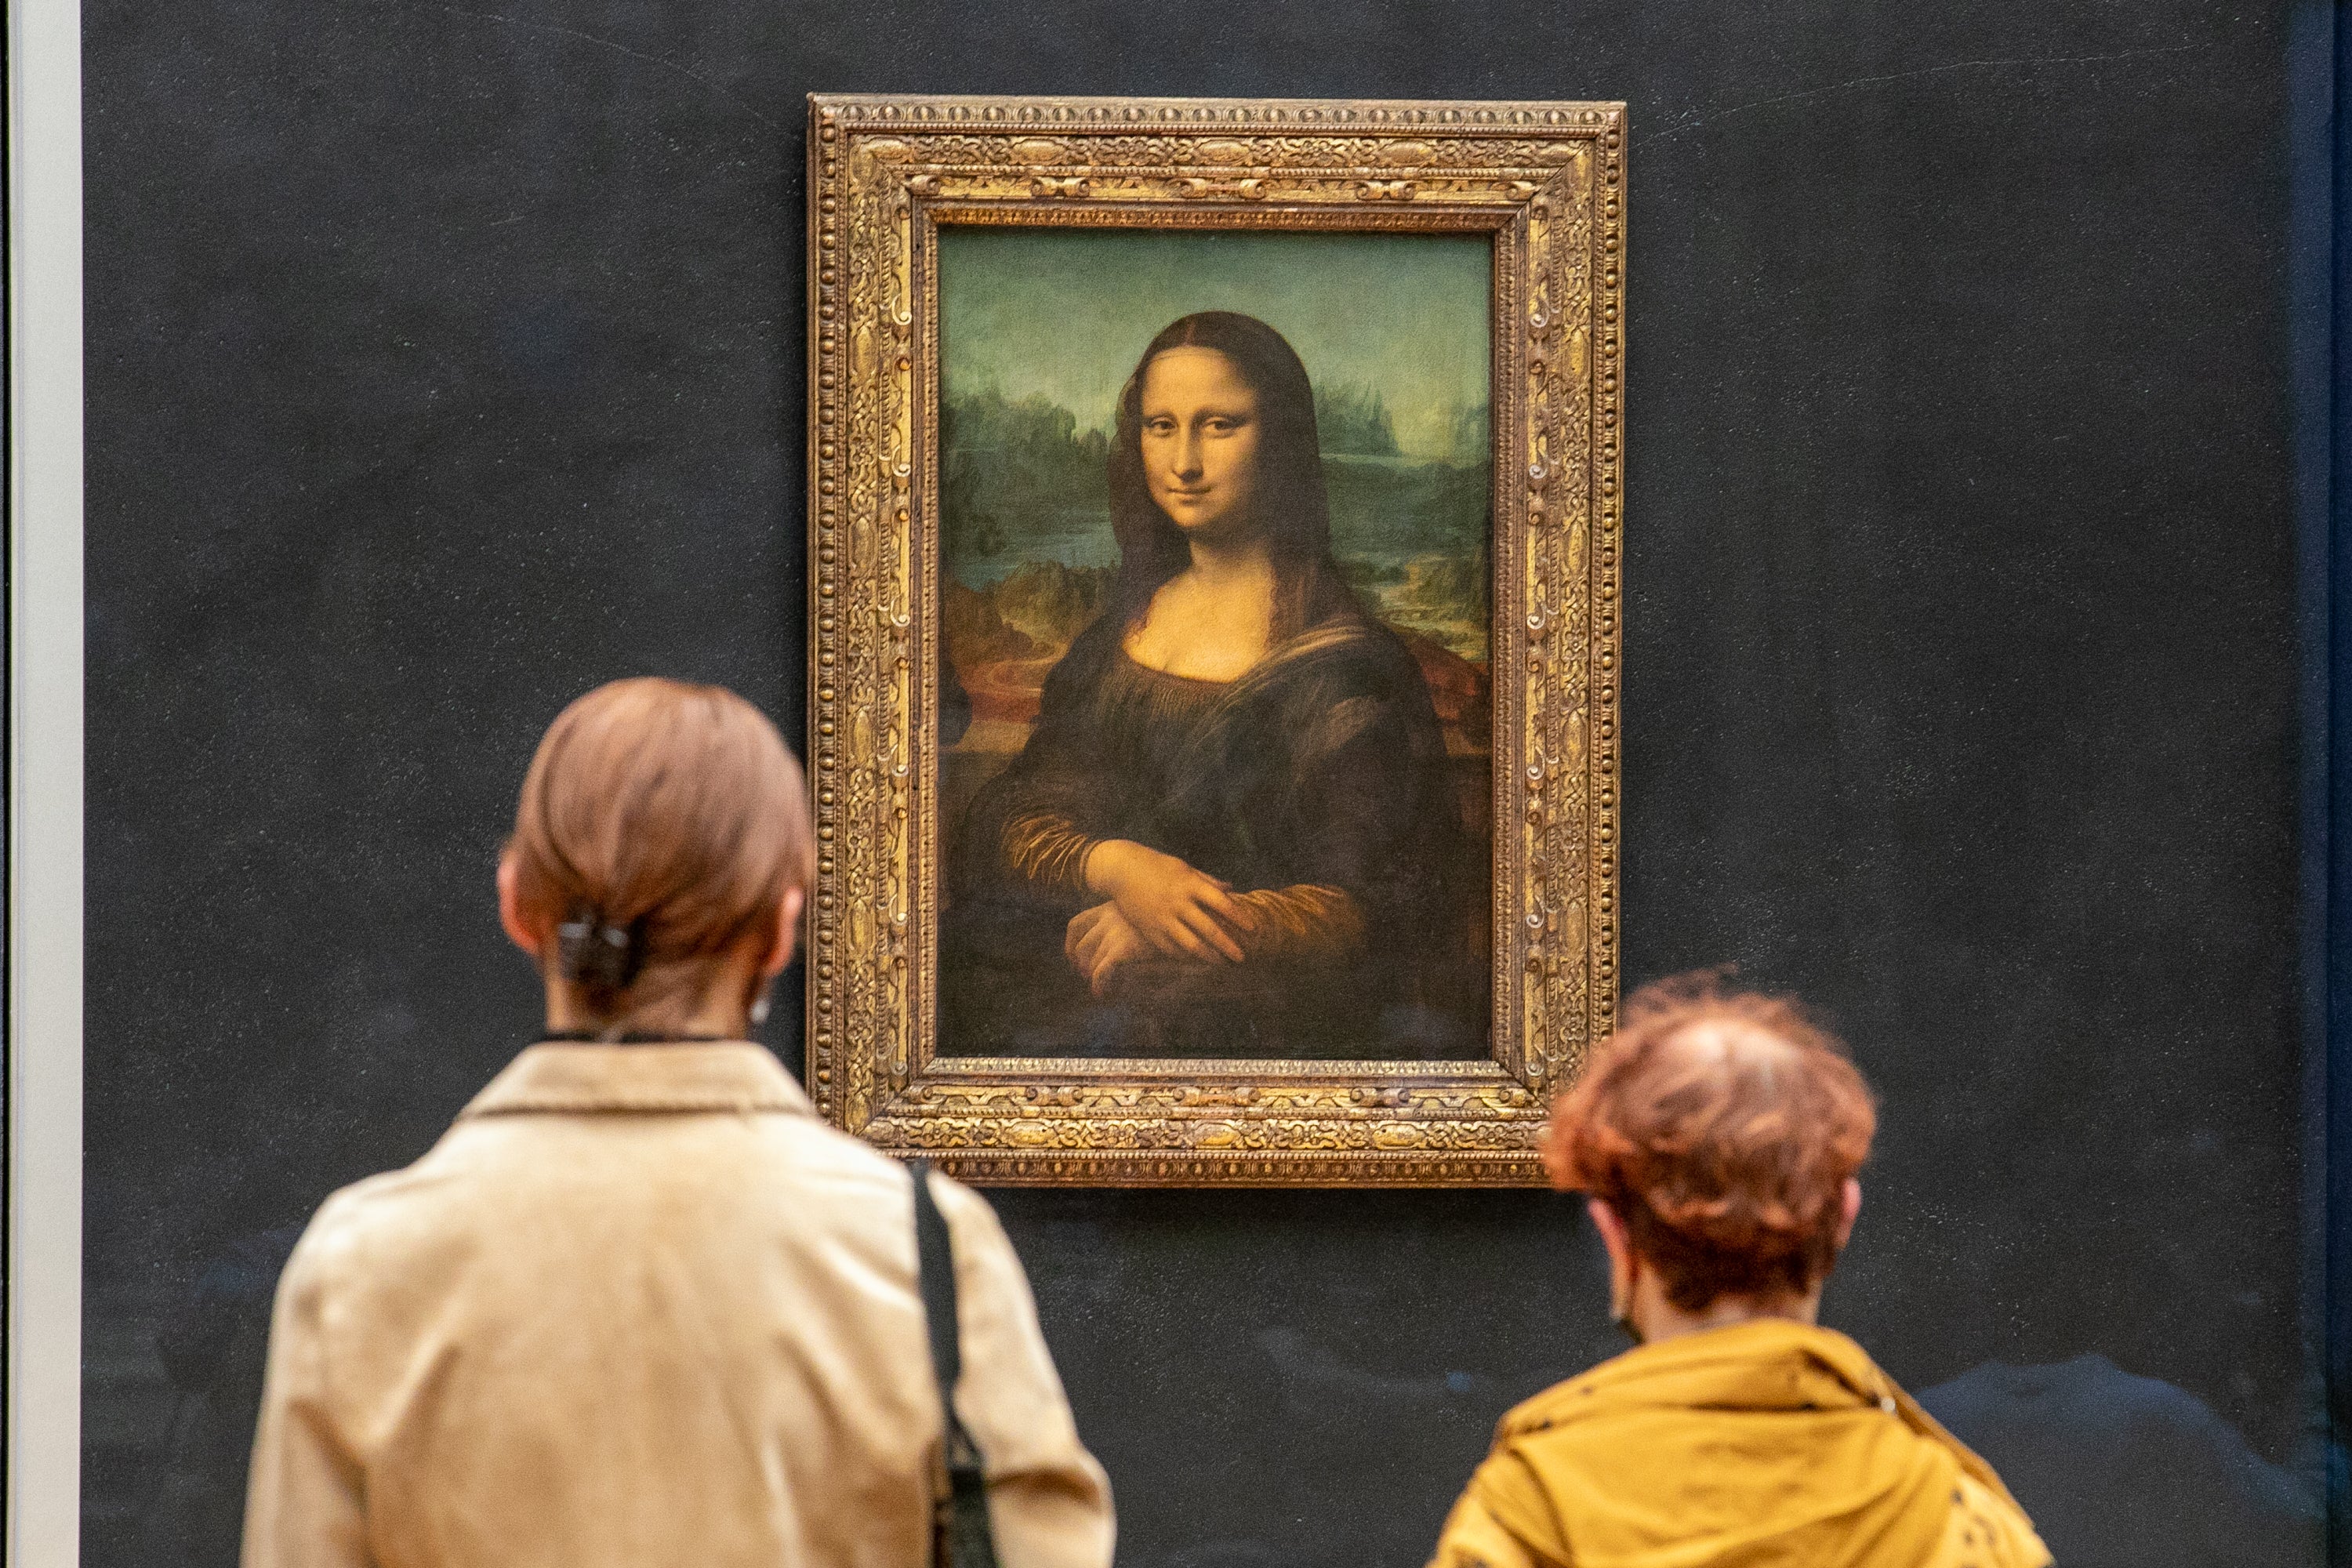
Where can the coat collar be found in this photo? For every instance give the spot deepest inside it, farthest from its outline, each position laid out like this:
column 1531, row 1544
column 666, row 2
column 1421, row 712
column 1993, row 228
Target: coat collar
column 1765, row 1364
column 726, row 1076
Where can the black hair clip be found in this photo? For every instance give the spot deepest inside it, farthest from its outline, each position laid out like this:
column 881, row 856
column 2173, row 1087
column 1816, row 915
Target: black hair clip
column 596, row 954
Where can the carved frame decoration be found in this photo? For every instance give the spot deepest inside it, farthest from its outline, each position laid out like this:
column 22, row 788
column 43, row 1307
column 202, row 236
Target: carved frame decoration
column 1546, row 183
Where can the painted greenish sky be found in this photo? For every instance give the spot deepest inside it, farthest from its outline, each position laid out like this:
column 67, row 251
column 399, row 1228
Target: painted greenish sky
column 1065, row 313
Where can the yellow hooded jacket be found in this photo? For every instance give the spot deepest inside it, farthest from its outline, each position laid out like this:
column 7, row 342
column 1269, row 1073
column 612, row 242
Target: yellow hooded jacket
column 1762, row 1445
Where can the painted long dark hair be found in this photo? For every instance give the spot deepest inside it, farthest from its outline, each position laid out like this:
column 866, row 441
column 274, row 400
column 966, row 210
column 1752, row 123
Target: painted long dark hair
column 1288, row 499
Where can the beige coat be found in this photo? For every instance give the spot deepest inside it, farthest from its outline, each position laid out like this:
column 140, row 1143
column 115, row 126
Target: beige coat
column 640, row 1307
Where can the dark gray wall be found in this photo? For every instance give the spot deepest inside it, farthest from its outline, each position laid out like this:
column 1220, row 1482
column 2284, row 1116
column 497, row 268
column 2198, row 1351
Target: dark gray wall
column 446, row 360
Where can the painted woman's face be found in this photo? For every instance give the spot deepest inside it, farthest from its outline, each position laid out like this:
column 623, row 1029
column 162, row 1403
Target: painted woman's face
column 1200, row 441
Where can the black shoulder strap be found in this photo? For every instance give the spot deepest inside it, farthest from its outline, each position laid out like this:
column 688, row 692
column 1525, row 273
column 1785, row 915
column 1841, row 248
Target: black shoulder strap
column 964, row 1537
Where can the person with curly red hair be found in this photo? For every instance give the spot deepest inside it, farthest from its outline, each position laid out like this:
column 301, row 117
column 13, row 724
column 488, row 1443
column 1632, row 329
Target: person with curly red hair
column 1717, row 1137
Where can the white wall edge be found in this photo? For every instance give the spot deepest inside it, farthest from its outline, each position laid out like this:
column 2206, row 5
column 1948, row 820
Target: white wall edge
column 45, row 784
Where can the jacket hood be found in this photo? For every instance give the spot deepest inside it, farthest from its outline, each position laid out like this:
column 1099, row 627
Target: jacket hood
column 1761, row 1445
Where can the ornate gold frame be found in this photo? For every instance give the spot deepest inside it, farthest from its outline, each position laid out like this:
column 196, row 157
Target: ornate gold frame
column 1547, row 181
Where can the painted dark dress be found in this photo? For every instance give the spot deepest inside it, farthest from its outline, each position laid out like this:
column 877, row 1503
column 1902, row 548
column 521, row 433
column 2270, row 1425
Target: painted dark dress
column 1316, row 785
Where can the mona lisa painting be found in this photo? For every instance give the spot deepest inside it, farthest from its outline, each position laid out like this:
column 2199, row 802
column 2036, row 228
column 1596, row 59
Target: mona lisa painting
column 1215, row 565
column 1223, row 815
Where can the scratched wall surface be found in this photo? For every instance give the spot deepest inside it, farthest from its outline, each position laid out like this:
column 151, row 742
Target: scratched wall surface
column 445, row 359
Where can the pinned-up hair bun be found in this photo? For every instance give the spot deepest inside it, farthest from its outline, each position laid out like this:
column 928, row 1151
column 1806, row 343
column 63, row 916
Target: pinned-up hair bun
column 659, row 832
column 592, row 952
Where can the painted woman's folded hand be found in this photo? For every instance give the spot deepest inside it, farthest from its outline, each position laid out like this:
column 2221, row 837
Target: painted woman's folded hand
column 1176, row 909
column 1099, row 942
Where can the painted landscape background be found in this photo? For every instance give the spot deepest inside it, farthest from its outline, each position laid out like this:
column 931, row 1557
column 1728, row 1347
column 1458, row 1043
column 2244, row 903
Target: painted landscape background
column 1040, row 330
